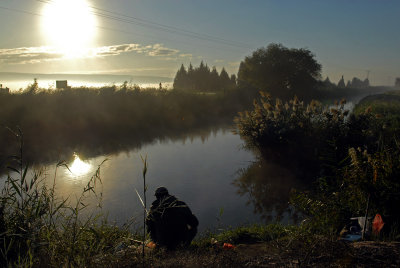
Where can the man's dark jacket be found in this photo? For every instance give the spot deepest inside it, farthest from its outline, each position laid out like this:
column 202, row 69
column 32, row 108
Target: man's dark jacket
column 170, row 222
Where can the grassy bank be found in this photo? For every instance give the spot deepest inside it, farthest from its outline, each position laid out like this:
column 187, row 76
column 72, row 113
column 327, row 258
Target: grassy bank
column 41, row 230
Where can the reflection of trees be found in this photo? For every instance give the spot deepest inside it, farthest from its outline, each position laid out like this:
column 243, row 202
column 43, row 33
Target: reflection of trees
column 268, row 185
column 94, row 122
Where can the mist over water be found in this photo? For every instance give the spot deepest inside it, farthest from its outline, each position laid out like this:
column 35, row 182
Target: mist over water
column 17, row 81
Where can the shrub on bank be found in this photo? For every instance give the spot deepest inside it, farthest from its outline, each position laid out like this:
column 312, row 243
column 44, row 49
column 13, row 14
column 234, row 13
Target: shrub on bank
column 353, row 157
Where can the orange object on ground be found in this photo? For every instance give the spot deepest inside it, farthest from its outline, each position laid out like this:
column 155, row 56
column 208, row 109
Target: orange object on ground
column 377, row 224
column 228, row 246
column 151, row 244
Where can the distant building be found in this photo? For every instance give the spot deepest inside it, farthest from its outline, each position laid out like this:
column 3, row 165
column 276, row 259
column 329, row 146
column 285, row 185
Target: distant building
column 4, row 89
column 62, row 84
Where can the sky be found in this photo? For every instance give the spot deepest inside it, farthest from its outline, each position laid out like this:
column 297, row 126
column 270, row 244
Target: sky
column 148, row 37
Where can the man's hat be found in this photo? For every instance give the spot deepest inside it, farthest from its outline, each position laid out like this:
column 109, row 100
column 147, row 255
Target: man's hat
column 161, row 191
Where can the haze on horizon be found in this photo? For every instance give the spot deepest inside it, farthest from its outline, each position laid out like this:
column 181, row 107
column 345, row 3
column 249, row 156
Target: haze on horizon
column 153, row 38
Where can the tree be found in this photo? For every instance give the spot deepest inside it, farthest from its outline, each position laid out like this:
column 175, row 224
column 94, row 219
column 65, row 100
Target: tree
column 190, row 77
column 358, row 83
column 341, row 83
column 327, row 83
column 224, row 80
column 233, row 80
column 201, row 79
column 281, row 71
column 214, row 79
column 180, row 81
column 397, row 82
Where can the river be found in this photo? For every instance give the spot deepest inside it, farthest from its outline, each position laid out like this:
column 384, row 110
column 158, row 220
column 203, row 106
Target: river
column 198, row 170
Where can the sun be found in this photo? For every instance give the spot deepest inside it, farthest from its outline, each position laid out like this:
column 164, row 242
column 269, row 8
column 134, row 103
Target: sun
column 69, row 26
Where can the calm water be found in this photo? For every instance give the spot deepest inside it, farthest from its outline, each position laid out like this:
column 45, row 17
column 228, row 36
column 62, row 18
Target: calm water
column 199, row 171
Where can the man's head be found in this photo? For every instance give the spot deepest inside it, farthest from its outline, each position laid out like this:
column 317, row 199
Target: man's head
column 160, row 192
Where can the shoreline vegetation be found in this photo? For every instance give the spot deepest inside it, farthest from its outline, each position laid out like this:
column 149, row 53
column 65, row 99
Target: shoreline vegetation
column 40, row 229
column 349, row 160
column 108, row 120
column 96, row 121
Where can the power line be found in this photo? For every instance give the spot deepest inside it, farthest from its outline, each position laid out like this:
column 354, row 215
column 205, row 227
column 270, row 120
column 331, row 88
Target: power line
column 99, row 27
column 111, row 15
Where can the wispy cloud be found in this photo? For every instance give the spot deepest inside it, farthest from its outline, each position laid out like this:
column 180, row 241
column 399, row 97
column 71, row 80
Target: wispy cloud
column 159, row 50
column 183, row 55
column 26, row 55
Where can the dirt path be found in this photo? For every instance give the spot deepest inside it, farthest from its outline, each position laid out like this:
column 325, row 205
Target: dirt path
column 270, row 254
column 334, row 254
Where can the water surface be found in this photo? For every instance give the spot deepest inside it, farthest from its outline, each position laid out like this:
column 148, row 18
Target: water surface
column 199, row 171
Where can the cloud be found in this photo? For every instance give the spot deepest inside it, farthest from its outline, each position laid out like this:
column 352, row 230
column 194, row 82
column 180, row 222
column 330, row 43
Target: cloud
column 149, row 50
column 25, row 55
column 185, row 55
column 159, row 50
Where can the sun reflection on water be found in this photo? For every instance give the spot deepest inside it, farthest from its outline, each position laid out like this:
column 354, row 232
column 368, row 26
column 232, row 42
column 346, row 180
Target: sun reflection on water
column 78, row 167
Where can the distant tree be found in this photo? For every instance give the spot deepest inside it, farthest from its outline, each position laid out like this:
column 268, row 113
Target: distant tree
column 341, row 83
column 366, row 82
column 233, row 80
column 202, row 79
column 33, row 88
column 281, row 71
column 358, row 83
column 124, row 86
column 181, row 79
column 224, row 80
column 327, row 83
column 214, row 79
column 190, row 77
column 397, row 82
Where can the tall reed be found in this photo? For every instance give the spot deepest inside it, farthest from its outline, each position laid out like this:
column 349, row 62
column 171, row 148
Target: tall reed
column 38, row 228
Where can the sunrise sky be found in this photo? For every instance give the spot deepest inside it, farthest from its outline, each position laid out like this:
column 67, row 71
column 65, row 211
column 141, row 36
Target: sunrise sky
column 154, row 38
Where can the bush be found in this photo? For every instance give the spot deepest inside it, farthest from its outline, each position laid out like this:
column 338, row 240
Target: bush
column 353, row 158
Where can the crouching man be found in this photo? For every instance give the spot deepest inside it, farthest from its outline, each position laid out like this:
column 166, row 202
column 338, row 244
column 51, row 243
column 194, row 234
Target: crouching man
column 170, row 221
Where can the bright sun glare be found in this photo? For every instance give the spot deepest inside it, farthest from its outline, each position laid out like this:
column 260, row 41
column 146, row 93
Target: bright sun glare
column 78, row 167
column 69, row 26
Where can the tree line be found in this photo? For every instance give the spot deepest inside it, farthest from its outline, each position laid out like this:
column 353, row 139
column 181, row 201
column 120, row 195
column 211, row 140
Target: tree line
column 202, row 79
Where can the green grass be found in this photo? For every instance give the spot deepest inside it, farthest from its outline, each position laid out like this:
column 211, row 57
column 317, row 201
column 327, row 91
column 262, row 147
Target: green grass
column 245, row 234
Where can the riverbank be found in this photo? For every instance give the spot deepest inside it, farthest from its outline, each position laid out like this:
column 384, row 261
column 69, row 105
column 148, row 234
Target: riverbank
column 256, row 249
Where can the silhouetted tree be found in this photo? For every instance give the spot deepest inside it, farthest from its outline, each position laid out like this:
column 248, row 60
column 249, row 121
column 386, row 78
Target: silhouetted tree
column 214, row 79
column 180, row 81
column 366, row 82
column 358, row 83
column 233, row 80
column 190, row 77
column 202, row 79
column 327, row 83
column 33, row 88
column 341, row 83
column 397, row 82
column 281, row 71
column 225, row 80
